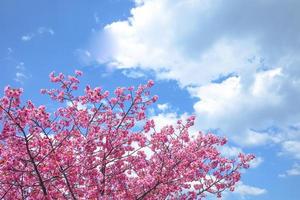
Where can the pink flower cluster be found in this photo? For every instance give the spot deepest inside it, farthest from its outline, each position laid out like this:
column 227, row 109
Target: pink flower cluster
column 104, row 147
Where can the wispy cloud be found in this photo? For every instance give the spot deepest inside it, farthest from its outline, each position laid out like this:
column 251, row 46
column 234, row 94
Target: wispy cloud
column 21, row 75
column 9, row 51
column 294, row 171
column 84, row 56
column 133, row 73
column 27, row 37
column 20, row 66
column 247, row 190
column 45, row 30
column 291, row 147
column 96, row 18
column 8, row 55
column 40, row 31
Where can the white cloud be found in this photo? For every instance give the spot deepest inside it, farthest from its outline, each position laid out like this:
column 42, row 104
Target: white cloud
column 84, row 56
column 20, row 66
column 294, row 171
column 291, row 147
column 230, row 151
column 238, row 108
column 180, row 37
column 257, row 161
column 163, row 107
column 198, row 41
column 79, row 105
column 96, row 18
column 27, row 37
column 133, row 73
column 170, row 118
column 252, row 138
column 40, row 31
column 21, row 75
column 164, row 119
column 45, row 30
column 244, row 190
column 9, row 51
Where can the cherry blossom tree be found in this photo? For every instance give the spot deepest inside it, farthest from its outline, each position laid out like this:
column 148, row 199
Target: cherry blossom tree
column 102, row 146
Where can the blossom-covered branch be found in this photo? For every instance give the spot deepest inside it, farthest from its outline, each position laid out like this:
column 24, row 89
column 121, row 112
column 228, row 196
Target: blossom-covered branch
column 102, row 146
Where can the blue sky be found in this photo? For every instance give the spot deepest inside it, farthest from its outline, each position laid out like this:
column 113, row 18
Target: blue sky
column 233, row 64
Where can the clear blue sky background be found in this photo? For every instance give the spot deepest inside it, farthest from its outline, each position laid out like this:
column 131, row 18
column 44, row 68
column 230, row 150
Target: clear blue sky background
column 202, row 55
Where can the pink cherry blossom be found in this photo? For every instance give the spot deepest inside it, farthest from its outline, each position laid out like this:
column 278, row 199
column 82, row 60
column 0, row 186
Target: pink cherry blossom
column 102, row 146
column 78, row 73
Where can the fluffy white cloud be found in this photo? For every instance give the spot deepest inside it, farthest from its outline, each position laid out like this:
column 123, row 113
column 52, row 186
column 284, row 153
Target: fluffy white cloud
column 238, row 108
column 171, row 37
column 230, row 151
column 213, row 37
column 164, row 119
column 198, row 41
column 163, row 107
column 244, row 190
